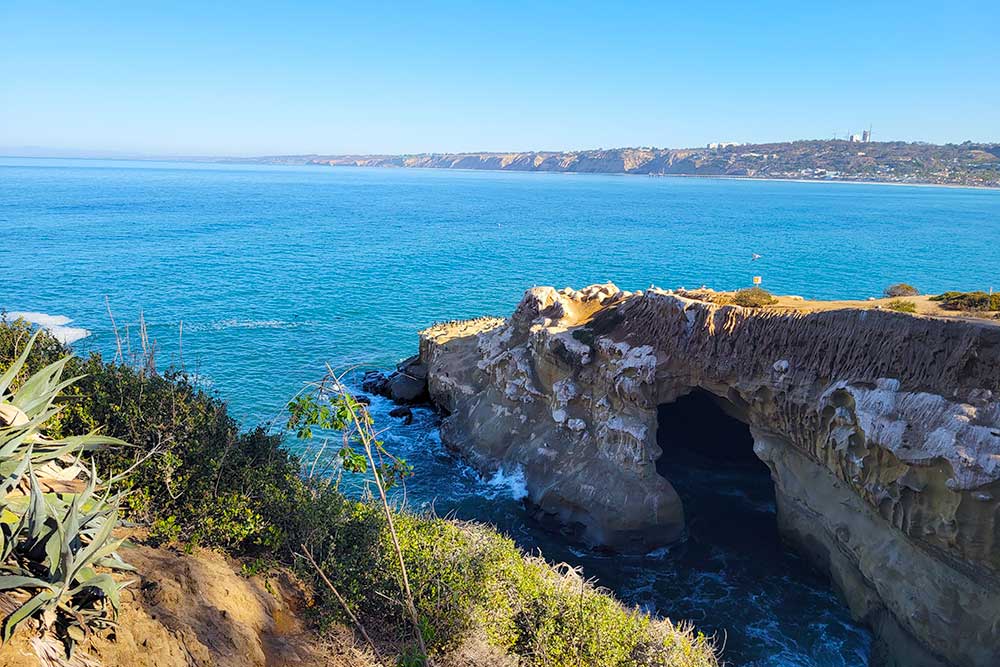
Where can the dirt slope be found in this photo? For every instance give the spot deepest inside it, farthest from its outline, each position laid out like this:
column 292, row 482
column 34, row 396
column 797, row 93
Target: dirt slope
column 197, row 610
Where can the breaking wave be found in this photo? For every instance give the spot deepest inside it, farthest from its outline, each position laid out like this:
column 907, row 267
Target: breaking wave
column 54, row 324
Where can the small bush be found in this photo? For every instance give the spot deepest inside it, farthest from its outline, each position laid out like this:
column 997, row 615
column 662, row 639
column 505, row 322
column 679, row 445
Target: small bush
column 901, row 306
column 970, row 301
column 467, row 576
column 900, row 289
column 753, row 297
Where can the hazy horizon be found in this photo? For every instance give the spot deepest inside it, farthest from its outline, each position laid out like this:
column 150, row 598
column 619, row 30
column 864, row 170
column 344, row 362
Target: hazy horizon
column 45, row 152
column 194, row 80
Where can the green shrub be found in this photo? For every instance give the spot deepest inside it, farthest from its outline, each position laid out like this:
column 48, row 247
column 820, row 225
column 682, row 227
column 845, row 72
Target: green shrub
column 753, row 297
column 467, row 576
column 189, row 463
column 901, row 306
column 900, row 289
column 969, row 301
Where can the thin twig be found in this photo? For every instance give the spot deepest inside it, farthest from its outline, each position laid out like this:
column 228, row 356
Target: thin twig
column 367, row 438
column 343, row 603
column 118, row 341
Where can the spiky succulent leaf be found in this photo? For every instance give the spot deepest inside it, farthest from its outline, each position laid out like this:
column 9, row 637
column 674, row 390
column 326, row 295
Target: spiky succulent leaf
column 38, row 601
column 8, row 582
column 8, row 377
column 38, row 391
column 51, row 543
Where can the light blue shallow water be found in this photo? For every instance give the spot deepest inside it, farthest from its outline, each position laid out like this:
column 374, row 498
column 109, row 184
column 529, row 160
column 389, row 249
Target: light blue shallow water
column 276, row 270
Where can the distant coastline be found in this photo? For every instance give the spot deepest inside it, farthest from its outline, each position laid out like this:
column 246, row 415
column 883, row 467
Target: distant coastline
column 966, row 165
column 899, row 163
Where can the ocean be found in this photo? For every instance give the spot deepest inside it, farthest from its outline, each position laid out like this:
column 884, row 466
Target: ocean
column 276, row 271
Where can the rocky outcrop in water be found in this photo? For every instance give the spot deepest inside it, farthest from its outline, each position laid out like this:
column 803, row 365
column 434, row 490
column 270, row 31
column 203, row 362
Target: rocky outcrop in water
column 881, row 431
column 406, row 384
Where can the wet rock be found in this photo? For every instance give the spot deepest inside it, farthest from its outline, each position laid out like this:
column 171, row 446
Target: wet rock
column 402, row 412
column 375, row 382
column 408, row 384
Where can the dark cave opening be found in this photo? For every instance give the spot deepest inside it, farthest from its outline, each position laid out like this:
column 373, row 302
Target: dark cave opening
column 708, row 457
column 703, row 426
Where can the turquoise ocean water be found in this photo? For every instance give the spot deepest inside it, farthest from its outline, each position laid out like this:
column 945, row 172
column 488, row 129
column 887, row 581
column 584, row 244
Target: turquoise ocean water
column 275, row 271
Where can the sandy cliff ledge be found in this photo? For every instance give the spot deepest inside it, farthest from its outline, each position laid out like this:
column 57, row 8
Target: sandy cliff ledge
column 881, row 431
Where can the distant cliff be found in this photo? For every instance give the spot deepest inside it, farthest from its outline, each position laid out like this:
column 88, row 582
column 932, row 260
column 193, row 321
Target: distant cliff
column 893, row 162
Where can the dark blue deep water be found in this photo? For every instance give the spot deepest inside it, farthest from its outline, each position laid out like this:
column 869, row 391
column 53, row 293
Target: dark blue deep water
column 275, row 271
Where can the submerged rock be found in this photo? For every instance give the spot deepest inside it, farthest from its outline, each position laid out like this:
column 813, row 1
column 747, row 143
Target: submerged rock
column 407, row 384
column 880, row 432
column 402, row 412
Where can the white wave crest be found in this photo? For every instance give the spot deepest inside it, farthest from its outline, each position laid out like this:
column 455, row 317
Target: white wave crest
column 54, row 324
column 511, row 481
column 234, row 323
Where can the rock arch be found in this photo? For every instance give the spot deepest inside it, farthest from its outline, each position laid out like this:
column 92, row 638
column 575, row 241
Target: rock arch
column 881, row 431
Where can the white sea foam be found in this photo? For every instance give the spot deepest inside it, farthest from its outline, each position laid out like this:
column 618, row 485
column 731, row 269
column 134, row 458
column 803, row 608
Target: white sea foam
column 54, row 324
column 234, row 323
column 511, row 481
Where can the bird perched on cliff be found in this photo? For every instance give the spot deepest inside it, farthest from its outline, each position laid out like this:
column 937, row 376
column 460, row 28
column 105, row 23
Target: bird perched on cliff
column 754, row 257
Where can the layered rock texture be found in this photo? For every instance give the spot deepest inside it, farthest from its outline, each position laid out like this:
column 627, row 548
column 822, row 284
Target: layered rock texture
column 881, row 431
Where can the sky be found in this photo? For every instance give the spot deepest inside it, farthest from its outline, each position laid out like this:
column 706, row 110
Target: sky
column 264, row 78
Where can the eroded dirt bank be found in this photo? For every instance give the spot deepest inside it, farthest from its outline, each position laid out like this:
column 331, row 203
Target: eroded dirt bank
column 197, row 610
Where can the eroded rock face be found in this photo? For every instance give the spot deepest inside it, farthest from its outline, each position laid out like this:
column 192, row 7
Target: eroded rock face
column 881, row 430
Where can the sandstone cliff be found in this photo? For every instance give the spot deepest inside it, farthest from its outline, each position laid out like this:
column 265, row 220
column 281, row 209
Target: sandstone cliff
column 881, row 431
column 958, row 164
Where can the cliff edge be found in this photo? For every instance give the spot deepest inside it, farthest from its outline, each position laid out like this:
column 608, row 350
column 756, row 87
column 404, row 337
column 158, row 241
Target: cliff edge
column 881, row 431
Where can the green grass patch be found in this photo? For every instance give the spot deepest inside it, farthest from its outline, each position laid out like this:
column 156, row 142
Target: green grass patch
column 901, row 306
column 969, row 301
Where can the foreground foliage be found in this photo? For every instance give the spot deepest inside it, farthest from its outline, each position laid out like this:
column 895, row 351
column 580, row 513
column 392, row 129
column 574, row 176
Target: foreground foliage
column 56, row 516
column 195, row 478
column 467, row 577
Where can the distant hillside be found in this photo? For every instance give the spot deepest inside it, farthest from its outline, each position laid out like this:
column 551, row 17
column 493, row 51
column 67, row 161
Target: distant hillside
column 894, row 162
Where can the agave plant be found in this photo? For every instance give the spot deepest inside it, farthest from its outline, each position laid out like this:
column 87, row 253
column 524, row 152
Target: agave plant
column 56, row 516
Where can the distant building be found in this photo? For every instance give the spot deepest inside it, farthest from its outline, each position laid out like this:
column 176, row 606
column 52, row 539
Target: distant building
column 855, row 138
column 866, row 136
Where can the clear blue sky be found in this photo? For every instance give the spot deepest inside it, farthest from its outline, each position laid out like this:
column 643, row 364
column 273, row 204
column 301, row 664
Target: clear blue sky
column 247, row 77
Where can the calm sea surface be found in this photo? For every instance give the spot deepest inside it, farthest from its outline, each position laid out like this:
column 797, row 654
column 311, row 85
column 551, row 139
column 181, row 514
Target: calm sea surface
column 276, row 270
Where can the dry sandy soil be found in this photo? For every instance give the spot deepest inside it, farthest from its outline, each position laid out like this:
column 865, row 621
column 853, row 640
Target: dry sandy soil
column 924, row 305
column 197, row 610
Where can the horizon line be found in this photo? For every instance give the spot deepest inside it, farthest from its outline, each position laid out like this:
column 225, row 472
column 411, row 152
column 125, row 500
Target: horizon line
column 48, row 152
